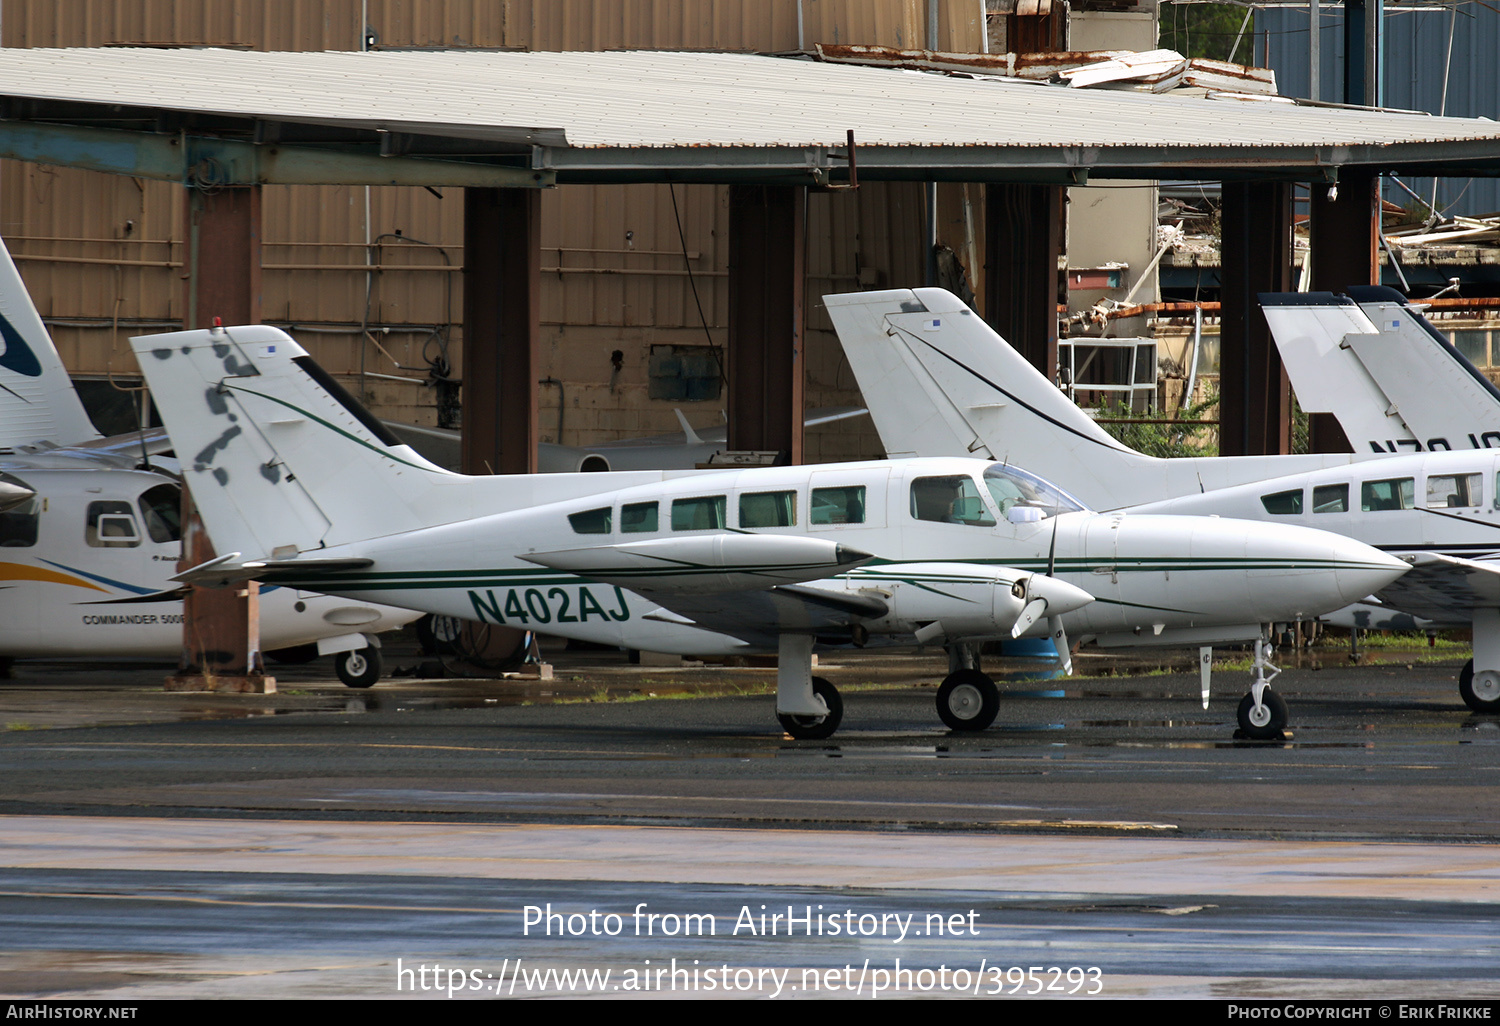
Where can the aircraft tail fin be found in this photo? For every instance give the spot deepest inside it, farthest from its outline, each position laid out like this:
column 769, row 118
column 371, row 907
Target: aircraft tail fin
column 939, row 381
column 1374, row 362
column 37, row 400
column 280, row 459
column 1316, row 333
column 1444, row 399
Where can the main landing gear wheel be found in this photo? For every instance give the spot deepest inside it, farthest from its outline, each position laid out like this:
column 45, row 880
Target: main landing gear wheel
column 968, row 700
column 816, row 728
column 1480, row 691
column 359, row 668
column 1267, row 722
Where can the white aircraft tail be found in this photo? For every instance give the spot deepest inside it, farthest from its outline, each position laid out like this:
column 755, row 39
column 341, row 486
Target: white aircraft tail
column 939, row 381
column 37, row 401
column 292, row 464
column 1374, row 362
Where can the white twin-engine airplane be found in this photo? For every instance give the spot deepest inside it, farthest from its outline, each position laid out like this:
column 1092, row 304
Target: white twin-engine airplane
column 91, row 536
column 299, row 484
column 936, row 378
column 1373, row 361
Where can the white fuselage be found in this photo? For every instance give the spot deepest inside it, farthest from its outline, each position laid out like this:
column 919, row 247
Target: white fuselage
column 1147, row 573
column 1437, row 502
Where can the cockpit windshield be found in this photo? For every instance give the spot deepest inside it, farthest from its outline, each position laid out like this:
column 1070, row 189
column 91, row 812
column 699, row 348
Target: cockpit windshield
column 1012, row 486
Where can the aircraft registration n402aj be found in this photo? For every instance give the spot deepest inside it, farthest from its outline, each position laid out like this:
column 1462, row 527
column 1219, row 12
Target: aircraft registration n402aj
column 299, row 484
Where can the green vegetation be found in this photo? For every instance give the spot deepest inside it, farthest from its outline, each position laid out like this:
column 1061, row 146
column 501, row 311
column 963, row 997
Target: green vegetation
column 1183, row 437
column 1206, row 30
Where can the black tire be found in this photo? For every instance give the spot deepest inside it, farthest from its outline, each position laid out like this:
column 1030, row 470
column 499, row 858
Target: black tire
column 1485, row 698
column 359, row 668
column 816, row 728
column 294, row 656
column 1274, row 713
column 439, row 635
column 968, row 700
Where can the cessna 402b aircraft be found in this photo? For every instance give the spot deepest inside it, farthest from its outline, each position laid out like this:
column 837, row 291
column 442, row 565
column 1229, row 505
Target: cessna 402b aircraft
column 299, row 484
column 90, row 531
column 930, row 369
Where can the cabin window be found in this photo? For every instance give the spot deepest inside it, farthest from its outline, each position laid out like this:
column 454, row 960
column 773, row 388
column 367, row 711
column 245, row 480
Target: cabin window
column 768, row 509
column 1331, row 499
column 111, row 525
column 1283, row 503
column 1395, row 493
column 590, row 521
column 19, row 523
column 949, row 500
column 161, row 511
column 704, row 513
column 638, row 518
column 838, row 505
column 1455, row 491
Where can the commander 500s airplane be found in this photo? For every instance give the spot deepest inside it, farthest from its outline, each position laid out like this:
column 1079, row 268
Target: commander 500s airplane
column 299, row 484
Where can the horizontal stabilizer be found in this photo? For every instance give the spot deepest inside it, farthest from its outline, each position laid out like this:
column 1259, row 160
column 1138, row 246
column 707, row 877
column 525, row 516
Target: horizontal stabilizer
column 228, row 570
column 703, row 563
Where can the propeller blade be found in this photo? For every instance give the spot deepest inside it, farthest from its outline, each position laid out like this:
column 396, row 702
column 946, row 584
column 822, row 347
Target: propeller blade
column 1034, row 611
column 1060, row 639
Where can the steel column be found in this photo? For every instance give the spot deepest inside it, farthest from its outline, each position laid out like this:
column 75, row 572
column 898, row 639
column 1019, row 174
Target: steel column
column 1022, row 240
column 502, row 329
column 767, row 254
column 1255, row 398
column 220, row 626
column 1345, row 250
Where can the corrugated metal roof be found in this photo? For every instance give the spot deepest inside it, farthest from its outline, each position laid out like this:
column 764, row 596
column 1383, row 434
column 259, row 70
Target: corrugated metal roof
column 634, row 101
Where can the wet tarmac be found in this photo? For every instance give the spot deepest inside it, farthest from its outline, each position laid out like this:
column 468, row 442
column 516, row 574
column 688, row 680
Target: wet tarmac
column 317, row 841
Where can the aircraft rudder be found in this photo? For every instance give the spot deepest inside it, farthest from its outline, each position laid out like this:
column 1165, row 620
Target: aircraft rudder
column 37, row 399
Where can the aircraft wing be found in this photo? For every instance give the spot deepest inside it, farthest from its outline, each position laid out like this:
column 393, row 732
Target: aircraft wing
column 757, row 617
column 702, row 564
column 1445, row 589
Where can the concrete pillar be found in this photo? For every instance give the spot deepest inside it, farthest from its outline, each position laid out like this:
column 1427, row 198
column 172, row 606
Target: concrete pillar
column 767, row 261
column 1022, row 241
column 221, row 626
column 1255, row 398
column 502, row 329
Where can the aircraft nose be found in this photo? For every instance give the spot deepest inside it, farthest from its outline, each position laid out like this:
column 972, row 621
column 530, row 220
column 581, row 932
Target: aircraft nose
column 1061, row 596
column 1363, row 570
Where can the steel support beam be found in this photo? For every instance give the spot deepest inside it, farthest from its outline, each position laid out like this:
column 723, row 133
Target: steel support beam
column 1344, row 248
column 1363, row 52
column 502, row 329
column 216, row 163
column 1023, row 239
column 1255, row 397
column 767, row 259
column 220, row 626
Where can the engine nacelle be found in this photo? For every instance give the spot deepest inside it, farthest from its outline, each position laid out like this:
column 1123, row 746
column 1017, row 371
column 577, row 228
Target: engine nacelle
column 955, row 600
